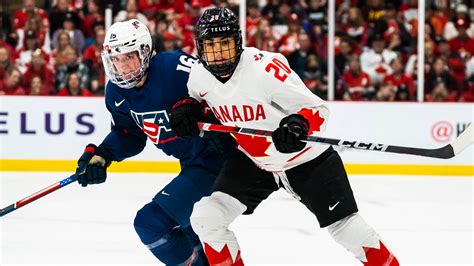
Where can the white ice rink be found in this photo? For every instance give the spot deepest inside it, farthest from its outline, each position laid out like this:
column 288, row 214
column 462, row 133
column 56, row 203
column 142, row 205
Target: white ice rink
column 425, row 220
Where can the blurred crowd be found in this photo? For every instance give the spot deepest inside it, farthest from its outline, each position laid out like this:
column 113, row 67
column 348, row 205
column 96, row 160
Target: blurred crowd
column 53, row 48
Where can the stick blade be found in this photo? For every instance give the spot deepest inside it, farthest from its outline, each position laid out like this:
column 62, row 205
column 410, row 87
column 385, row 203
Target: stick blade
column 465, row 139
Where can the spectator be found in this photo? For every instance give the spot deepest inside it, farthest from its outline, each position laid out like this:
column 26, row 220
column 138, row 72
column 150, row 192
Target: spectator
column 33, row 24
column 409, row 11
column 443, row 49
column 439, row 17
column 439, row 93
column 264, row 38
column 24, row 55
column 298, row 58
column 314, row 76
column 7, row 34
column 75, row 35
column 37, row 88
column 169, row 42
column 73, row 87
column 375, row 61
column 429, row 33
column 289, row 42
column 150, row 8
column 373, row 11
column 393, row 30
column 345, row 51
column 71, row 65
column 356, row 82
column 270, row 9
column 131, row 11
column 5, row 60
column 355, row 27
column 399, row 84
column 450, row 29
column 280, row 20
column 56, row 55
column 39, row 67
column 253, row 18
column 59, row 14
column 411, row 65
column 161, row 27
column 186, row 24
column 29, row 9
column 93, row 61
column 316, row 12
column 438, row 75
column 94, row 16
column 462, row 44
column 11, row 82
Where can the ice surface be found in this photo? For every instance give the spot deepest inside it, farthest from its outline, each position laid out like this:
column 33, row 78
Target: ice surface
column 424, row 220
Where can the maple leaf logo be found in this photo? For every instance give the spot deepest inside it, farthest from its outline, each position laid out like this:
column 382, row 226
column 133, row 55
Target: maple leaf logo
column 222, row 257
column 381, row 256
column 256, row 146
column 314, row 119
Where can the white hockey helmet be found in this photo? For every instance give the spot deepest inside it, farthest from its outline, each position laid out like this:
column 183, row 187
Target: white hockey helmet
column 122, row 38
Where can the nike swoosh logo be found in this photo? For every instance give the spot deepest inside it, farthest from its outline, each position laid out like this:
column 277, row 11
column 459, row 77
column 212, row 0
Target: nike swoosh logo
column 117, row 104
column 333, row 206
column 202, row 94
column 164, row 193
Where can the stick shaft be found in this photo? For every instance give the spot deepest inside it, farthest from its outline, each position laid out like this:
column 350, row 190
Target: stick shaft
column 37, row 195
column 441, row 153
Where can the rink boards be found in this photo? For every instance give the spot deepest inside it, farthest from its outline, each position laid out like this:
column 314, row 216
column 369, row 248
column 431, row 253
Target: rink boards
column 49, row 134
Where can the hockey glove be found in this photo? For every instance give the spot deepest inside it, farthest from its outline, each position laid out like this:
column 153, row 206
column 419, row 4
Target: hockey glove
column 92, row 165
column 184, row 117
column 287, row 138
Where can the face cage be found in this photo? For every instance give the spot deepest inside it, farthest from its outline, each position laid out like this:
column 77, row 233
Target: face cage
column 117, row 78
column 226, row 68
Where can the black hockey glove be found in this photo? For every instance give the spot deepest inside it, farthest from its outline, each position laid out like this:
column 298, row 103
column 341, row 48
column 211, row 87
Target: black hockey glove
column 287, row 137
column 92, row 165
column 184, row 117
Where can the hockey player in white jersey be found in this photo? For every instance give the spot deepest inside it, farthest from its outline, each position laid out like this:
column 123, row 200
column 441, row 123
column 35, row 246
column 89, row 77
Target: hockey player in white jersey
column 246, row 87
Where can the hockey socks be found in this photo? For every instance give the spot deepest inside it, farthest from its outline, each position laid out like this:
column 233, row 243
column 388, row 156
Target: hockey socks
column 360, row 239
column 224, row 256
column 210, row 219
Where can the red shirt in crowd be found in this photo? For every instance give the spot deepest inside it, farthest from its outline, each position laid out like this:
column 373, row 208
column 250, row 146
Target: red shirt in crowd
column 460, row 46
column 402, row 79
column 65, row 92
column 21, row 17
column 5, row 90
column 357, row 84
column 46, row 75
column 152, row 7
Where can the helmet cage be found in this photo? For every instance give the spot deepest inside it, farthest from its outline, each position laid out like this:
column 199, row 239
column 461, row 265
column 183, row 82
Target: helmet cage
column 226, row 25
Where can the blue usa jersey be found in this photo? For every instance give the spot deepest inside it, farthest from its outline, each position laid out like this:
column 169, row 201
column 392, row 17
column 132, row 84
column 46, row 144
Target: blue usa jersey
column 141, row 114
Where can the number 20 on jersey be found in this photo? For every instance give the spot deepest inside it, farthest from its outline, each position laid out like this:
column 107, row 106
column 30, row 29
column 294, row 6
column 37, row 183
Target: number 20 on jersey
column 281, row 70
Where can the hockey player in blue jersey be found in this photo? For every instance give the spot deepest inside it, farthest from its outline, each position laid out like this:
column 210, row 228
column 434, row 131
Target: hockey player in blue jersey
column 142, row 89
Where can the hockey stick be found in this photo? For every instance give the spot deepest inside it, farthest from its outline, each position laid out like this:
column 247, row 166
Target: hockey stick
column 44, row 191
column 454, row 148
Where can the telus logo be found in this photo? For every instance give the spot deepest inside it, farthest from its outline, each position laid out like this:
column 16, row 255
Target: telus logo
column 53, row 124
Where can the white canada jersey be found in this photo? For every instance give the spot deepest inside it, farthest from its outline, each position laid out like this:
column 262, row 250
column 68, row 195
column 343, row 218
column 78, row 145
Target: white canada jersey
column 261, row 92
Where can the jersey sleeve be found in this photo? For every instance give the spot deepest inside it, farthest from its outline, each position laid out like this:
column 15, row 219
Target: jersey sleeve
column 286, row 90
column 125, row 138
